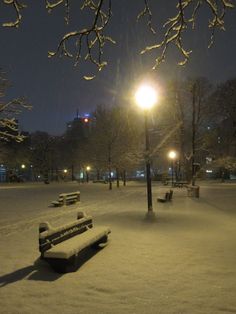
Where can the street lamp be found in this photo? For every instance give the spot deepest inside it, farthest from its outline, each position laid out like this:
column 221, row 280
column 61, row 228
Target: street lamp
column 88, row 168
column 146, row 97
column 172, row 155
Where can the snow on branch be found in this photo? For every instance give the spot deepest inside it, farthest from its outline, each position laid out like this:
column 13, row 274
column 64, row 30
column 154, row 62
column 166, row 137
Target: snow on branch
column 8, row 123
column 14, row 106
column 50, row 5
column 147, row 12
column 9, row 130
column 187, row 11
column 88, row 43
column 18, row 7
column 93, row 37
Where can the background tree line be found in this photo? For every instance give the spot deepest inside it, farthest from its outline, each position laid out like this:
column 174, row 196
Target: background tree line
column 194, row 118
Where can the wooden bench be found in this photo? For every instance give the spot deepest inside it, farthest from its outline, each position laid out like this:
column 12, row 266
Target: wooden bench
column 67, row 199
column 193, row 190
column 167, row 198
column 61, row 247
column 165, row 182
column 180, row 184
column 100, row 181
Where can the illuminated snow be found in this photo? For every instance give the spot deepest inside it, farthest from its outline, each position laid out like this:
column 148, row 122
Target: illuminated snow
column 184, row 262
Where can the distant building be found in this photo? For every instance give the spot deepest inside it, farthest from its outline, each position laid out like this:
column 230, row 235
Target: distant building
column 80, row 126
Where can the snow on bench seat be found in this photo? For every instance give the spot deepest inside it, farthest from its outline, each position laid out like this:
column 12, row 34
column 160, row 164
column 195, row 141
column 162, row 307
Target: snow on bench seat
column 61, row 246
column 67, row 198
column 76, row 244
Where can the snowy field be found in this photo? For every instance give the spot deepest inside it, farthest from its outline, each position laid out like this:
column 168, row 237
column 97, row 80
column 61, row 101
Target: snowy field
column 182, row 263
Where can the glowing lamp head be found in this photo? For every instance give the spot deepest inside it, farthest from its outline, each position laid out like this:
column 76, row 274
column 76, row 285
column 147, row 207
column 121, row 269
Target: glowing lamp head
column 65, row 170
column 146, row 97
column 23, row 166
column 86, row 120
column 88, row 168
column 172, row 154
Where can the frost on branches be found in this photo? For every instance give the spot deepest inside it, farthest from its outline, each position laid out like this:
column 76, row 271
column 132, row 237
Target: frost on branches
column 88, row 43
column 8, row 111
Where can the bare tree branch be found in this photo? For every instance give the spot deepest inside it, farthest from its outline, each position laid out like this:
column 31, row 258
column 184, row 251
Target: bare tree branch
column 147, row 12
column 176, row 26
column 9, row 130
column 88, row 43
column 18, row 7
column 8, row 111
column 93, row 37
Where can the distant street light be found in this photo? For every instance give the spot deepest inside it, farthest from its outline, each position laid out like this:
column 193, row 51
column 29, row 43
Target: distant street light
column 22, row 166
column 172, row 155
column 65, row 171
column 88, row 168
column 146, row 97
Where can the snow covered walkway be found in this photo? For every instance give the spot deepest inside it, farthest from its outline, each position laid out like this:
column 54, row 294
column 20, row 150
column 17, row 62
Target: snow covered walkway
column 183, row 263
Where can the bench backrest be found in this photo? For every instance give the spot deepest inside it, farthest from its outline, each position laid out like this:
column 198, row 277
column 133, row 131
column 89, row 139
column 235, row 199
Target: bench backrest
column 167, row 196
column 72, row 195
column 170, row 195
column 49, row 236
column 69, row 197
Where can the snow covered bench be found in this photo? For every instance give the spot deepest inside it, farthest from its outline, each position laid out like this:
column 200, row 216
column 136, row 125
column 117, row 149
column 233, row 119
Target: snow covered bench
column 61, row 246
column 167, row 198
column 67, row 198
column 100, row 181
column 180, row 184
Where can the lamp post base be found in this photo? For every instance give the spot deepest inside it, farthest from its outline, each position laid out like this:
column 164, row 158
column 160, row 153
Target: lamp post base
column 150, row 216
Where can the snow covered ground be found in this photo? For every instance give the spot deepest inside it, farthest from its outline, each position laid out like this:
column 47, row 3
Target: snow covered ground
column 182, row 263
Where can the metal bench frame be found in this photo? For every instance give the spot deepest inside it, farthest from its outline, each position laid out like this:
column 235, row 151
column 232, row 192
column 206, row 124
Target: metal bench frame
column 61, row 246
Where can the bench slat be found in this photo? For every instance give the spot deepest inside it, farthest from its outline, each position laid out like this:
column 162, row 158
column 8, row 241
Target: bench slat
column 53, row 236
column 74, row 245
column 66, row 198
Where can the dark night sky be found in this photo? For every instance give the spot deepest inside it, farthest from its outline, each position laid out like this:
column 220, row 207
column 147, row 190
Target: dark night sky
column 55, row 87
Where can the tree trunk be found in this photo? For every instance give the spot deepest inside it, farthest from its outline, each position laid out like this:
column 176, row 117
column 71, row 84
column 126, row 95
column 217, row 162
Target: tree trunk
column 72, row 173
column 117, row 178
column 124, row 178
column 193, row 132
column 98, row 174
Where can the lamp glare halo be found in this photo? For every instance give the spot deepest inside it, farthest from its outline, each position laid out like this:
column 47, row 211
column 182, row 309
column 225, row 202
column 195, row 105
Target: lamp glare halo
column 172, row 154
column 146, row 97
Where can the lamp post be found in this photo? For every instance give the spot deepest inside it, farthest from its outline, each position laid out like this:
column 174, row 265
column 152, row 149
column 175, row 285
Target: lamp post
column 146, row 97
column 88, row 168
column 65, row 172
column 172, row 155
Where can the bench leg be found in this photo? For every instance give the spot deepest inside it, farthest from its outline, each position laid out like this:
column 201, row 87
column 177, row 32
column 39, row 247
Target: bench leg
column 161, row 200
column 62, row 265
column 102, row 241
